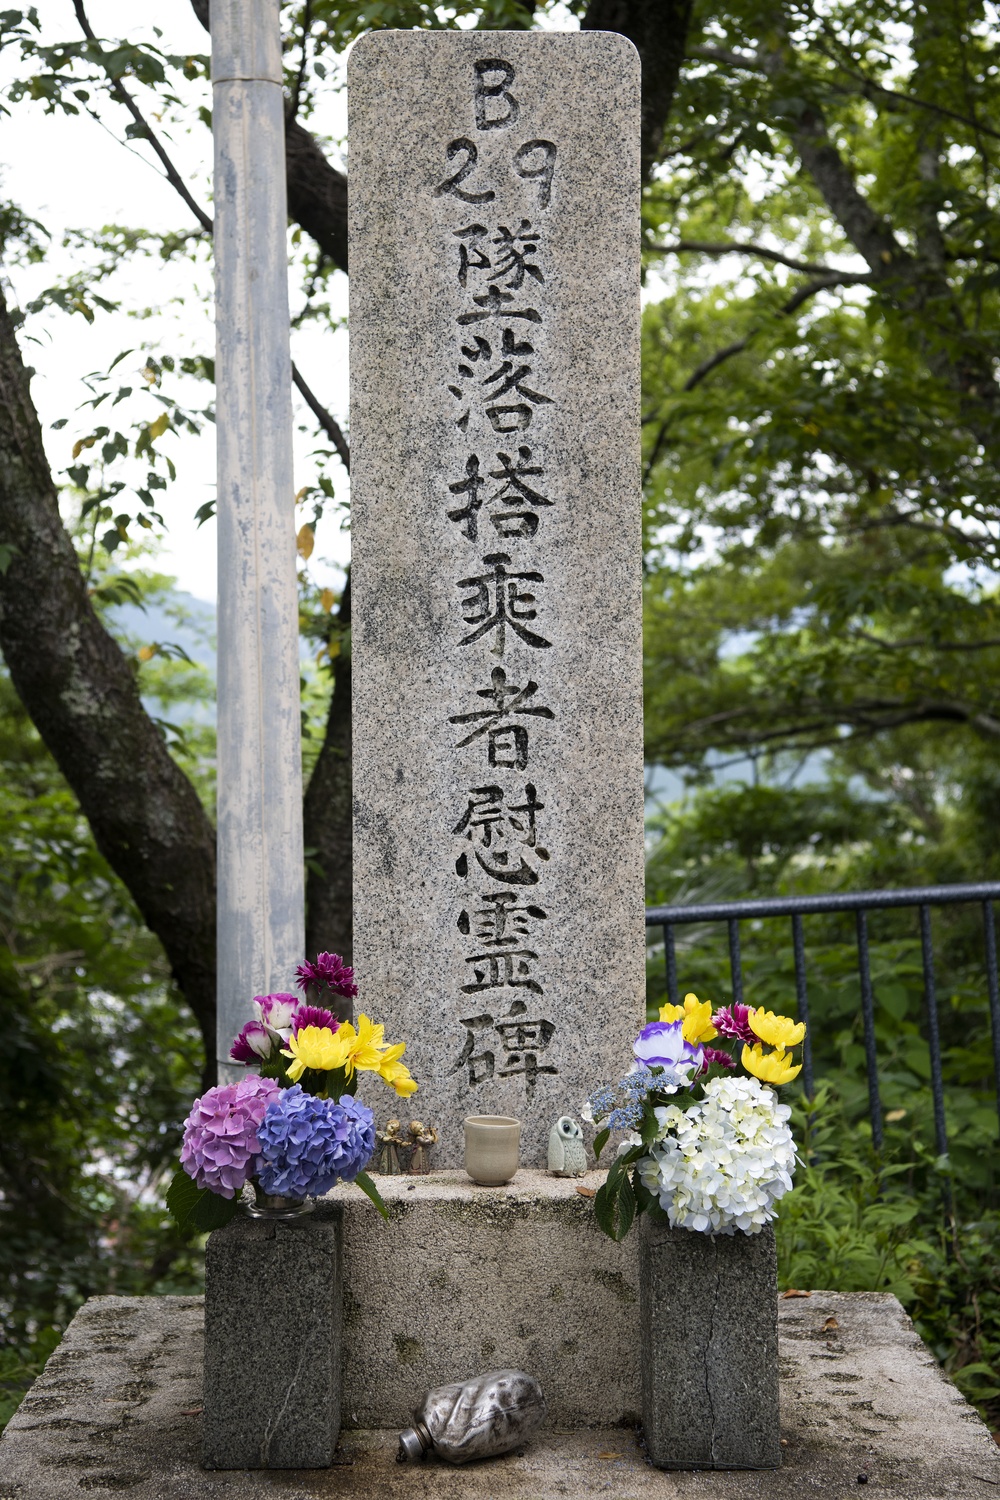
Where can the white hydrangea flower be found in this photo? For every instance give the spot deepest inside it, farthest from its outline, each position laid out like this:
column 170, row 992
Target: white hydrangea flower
column 723, row 1163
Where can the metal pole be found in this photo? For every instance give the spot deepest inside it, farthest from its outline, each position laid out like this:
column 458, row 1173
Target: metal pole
column 261, row 897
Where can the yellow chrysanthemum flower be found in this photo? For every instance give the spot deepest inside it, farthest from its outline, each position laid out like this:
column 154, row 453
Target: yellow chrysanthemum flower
column 319, row 1047
column 398, row 1075
column 366, row 1053
column 769, row 1067
column 360, row 1050
column 776, row 1031
column 697, row 1017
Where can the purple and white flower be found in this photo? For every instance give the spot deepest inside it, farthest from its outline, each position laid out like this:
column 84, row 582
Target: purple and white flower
column 276, row 1012
column 661, row 1044
column 253, row 1043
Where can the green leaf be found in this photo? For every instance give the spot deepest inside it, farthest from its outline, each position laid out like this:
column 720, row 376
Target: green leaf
column 626, row 1207
column 615, row 1204
column 600, row 1141
column 368, row 1187
column 650, row 1126
column 197, row 1210
column 604, row 1209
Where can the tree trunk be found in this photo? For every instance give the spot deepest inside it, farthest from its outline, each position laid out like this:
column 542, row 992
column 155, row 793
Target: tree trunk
column 328, row 818
column 83, row 697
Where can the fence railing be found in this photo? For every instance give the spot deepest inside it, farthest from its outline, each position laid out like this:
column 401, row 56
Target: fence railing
column 923, row 898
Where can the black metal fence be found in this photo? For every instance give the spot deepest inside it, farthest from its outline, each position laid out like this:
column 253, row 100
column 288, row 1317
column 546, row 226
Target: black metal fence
column 923, row 898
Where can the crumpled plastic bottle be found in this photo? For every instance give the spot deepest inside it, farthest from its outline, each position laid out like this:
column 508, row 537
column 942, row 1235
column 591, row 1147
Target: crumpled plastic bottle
column 478, row 1418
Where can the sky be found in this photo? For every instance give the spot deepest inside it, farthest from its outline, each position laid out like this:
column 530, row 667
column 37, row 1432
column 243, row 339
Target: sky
column 73, row 173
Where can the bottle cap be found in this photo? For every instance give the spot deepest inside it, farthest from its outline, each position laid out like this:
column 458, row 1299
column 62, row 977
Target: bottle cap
column 412, row 1445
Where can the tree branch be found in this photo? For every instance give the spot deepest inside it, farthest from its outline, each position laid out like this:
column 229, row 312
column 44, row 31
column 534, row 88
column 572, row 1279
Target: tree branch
column 925, row 644
column 750, row 62
column 817, row 729
column 712, row 363
column 325, row 420
column 870, row 87
column 821, row 284
column 761, row 252
column 327, row 814
column 121, row 93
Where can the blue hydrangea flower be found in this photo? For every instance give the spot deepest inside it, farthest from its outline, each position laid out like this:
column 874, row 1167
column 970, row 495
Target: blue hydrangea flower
column 308, row 1144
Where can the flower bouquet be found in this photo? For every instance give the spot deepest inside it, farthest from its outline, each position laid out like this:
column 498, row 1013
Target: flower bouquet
column 705, row 1147
column 293, row 1127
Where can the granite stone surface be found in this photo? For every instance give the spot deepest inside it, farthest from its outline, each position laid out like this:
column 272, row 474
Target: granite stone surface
column 116, row 1410
column 273, row 1299
column 465, row 1279
column 496, row 580
column 709, row 1348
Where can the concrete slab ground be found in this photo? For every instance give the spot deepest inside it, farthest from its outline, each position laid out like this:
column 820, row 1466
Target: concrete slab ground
column 117, row 1410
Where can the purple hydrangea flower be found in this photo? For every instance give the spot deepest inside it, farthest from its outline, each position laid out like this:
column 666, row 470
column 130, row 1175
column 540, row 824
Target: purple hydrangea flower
column 661, row 1044
column 329, row 969
column 221, row 1142
column 717, row 1055
column 313, row 1015
column 733, row 1021
column 276, row 1011
column 253, row 1043
column 308, row 1144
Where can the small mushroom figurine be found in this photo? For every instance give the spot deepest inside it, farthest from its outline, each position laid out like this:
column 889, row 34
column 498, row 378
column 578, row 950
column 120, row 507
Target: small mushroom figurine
column 567, row 1153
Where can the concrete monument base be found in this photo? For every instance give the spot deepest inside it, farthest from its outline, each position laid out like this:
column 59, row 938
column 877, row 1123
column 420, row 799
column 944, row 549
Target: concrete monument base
column 118, row 1409
column 464, row 1279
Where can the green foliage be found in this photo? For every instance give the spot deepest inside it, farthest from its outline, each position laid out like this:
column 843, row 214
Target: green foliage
column 821, row 486
column 197, row 1210
column 99, row 1063
column 370, row 1191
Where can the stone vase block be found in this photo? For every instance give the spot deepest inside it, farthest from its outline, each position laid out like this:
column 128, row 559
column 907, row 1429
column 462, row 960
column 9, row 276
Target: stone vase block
column 273, row 1296
column 708, row 1314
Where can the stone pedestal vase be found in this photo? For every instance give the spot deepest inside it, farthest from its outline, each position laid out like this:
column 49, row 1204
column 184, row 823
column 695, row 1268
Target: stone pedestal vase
column 709, row 1348
column 273, row 1300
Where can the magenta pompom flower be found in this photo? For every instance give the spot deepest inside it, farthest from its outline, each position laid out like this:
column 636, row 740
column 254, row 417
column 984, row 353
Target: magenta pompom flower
column 253, row 1043
column 221, row 1145
column 733, row 1021
column 329, row 969
column 716, row 1055
column 313, row 1015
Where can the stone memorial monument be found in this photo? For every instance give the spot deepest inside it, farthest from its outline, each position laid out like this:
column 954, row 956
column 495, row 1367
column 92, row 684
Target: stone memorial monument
column 496, row 584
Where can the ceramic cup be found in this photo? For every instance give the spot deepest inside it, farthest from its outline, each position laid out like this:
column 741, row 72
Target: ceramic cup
column 491, row 1143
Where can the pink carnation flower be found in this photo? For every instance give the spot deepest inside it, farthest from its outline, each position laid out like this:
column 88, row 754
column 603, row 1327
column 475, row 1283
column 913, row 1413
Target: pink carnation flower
column 733, row 1021
column 221, row 1144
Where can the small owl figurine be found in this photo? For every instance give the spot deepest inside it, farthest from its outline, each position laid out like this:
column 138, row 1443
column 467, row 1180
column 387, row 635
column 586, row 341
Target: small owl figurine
column 567, row 1153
